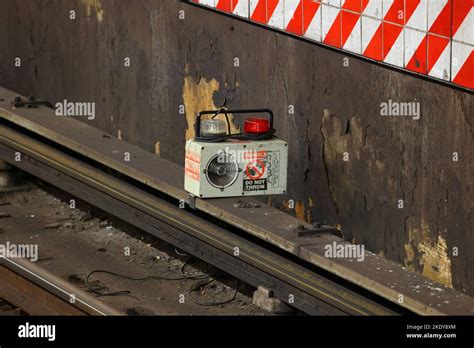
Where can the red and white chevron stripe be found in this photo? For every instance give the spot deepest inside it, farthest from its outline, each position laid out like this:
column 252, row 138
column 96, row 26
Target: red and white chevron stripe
column 430, row 37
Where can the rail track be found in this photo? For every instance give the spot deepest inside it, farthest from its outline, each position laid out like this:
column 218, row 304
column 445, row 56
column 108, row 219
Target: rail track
column 255, row 265
column 34, row 291
column 294, row 271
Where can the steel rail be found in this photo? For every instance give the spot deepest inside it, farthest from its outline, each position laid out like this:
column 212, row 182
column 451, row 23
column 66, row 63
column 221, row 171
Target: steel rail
column 39, row 292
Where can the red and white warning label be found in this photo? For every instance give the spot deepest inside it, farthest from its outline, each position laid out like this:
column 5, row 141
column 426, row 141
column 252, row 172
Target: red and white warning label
column 255, row 175
column 262, row 170
column 192, row 165
column 255, row 169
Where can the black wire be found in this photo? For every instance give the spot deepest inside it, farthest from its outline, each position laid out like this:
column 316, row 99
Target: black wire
column 124, row 292
column 239, row 136
column 183, row 276
column 226, row 118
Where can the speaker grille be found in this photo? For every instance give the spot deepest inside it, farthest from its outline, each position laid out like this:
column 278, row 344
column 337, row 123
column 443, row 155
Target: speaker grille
column 222, row 170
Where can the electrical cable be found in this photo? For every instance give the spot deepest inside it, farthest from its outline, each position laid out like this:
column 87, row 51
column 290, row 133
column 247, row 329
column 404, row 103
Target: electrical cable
column 179, row 253
column 229, row 135
column 209, row 278
column 237, row 136
column 123, row 292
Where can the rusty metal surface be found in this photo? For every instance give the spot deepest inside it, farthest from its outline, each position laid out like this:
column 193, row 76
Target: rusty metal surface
column 31, row 298
column 268, row 223
column 38, row 292
column 190, row 62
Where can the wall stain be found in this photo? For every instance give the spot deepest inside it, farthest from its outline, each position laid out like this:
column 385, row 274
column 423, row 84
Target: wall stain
column 399, row 158
column 299, row 210
column 340, row 137
column 409, row 257
column 432, row 255
column 94, row 5
column 435, row 261
column 157, row 148
column 309, row 216
column 198, row 96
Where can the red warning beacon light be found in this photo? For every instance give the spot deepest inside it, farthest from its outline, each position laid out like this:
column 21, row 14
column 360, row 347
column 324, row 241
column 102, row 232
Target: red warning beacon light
column 220, row 162
column 256, row 125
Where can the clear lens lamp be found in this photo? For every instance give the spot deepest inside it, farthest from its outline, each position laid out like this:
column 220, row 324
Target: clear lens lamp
column 212, row 128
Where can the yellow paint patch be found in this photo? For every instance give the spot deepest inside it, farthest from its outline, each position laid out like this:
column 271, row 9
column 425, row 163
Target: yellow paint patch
column 436, row 262
column 96, row 6
column 433, row 255
column 197, row 96
column 157, row 148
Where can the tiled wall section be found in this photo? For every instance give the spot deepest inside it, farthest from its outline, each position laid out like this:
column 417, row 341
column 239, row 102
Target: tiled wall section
column 430, row 37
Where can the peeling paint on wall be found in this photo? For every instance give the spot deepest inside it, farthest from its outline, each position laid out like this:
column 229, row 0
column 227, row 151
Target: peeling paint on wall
column 343, row 142
column 435, row 261
column 198, row 96
column 432, row 255
column 399, row 158
column 96, row 6
column 341, row 136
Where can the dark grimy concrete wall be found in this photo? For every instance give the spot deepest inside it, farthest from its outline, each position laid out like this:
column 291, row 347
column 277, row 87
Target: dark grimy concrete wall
column 190, row 62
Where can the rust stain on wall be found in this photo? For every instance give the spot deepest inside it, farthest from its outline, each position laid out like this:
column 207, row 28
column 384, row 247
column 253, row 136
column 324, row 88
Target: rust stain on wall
column 299, row 210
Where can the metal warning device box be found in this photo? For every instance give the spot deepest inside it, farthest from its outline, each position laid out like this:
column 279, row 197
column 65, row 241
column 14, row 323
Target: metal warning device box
column 219, row 165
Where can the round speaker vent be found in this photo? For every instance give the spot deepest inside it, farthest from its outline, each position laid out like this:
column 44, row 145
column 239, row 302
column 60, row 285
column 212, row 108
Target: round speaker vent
column 222, row 170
